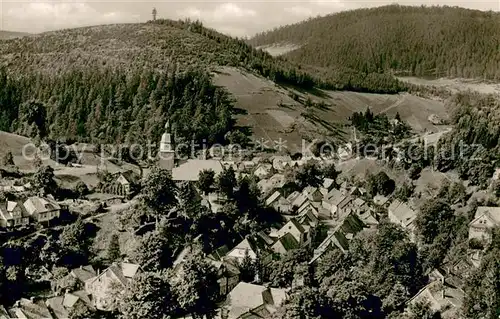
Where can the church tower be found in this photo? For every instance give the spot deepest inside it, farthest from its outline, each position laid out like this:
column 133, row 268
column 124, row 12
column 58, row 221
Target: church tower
column 167, row 151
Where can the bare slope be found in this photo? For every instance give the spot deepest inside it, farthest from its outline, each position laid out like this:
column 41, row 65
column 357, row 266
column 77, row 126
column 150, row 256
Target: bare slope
column 259, row 100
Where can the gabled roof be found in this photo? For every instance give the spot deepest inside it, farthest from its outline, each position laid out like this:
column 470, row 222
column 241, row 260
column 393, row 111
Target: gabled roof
column 300, row 200
column 37, row 205
column 328, row 182
column 83, row 273
column 123, row 272
column 33, row 309
column 493, row 213
column 56, row 305
column 70, row 300
column 293, row 196
column 220, row 252
column 190, row 170
column 272, row 198
column 402, row 212
column 308, row 217
column 246, row 297
column 287, row 242
column 335, row 197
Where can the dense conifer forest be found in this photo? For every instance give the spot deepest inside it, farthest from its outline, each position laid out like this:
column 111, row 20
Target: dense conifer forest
column 419, row 41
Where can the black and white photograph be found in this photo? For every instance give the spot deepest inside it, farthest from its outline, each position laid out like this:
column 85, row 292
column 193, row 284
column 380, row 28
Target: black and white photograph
column 249, row 159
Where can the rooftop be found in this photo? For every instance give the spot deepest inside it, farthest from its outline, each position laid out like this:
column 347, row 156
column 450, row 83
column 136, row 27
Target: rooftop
column 190, row 170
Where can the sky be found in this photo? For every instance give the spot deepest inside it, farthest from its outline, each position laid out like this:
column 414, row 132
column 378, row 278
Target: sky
column 234, row 17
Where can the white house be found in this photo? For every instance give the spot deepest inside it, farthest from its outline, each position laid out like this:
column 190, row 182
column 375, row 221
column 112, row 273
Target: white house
column 484, row 220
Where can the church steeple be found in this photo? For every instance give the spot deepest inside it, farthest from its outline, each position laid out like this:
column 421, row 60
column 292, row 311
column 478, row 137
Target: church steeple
column 167, row 152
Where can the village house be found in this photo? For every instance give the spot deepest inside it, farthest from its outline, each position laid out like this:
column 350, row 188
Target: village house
column 81, row 274
column 61, row 306
column 278, row 203
column 104, row 285
column 335, row 203
column 263, row 170
column 190, row 170
column 277, row 181
column 13, row 214
column 32, row 308
column 122, row 184
column 302, row 234
column 228, row 275
column 309, row 207
column 339, row 237
column 42, row 210
column 380, row 200
column 254, row 247
column 401, row 214
column 249, row 301
column 313, row 194
column 328, row 185
column 441, row 295
column 485, row 219
column 281, row 162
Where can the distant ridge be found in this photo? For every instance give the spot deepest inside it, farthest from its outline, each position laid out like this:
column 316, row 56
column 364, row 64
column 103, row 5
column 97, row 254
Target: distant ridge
column 7, row 35
column 403, row 40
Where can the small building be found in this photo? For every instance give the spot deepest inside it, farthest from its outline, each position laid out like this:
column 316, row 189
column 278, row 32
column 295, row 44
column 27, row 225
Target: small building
column 32, row 308
column 248, row 301
column 485, row 219
column 281, row 162
column 103, row 286
column 441, row 295
column 339, row 237
column 276, row 182
column 302, row 234
column 263, row 170
column 61, row 306
column 13, row 214
column 380, row 200
column 122, row 184
column 328, row 185
column 403, row 215
column 278, row 202
column 228, row 276
column 253, row 246
column 313, row 194
column 42, row 209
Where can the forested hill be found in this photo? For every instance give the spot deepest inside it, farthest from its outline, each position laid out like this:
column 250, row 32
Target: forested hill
column 119, row 83
column 419, row 41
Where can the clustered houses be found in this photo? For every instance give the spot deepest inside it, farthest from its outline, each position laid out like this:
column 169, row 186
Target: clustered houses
column 34, row 209
column 95, row 291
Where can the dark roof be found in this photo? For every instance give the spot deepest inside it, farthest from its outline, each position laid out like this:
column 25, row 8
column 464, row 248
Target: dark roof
column 289, row 242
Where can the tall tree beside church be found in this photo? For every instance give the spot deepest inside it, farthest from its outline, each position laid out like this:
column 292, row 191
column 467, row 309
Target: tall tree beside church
column 159, row 192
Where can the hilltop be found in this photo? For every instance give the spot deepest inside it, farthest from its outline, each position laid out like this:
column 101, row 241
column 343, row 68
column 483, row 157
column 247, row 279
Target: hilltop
column 405, row 40
column 120, row 83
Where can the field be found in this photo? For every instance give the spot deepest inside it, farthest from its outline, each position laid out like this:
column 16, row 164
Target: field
column 270, row 113
column 279, row 49
column 456, row 85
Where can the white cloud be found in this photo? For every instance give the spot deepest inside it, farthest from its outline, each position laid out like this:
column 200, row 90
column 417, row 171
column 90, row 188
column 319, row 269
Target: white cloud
column 43, row 16
column 236, row 17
